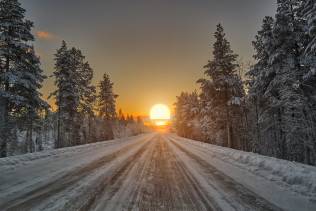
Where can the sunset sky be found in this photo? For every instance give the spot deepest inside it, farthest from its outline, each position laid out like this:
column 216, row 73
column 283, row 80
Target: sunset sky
column 152, row 49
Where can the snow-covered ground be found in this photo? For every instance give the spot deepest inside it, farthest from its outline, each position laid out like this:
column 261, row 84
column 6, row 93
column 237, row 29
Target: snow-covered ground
column 290, row 185
column 154, row 172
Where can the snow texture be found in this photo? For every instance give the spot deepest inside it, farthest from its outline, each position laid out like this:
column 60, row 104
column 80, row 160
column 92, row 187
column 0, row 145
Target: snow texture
column 123, row 173
column 264, row 175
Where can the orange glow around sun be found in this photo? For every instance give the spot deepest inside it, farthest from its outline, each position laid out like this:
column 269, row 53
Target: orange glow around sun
column 160, row 114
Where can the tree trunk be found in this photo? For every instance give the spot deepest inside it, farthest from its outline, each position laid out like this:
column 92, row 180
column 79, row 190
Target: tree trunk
column 30, row 141
column 228, row 129
column 3, row 127
column 58, row 145
column 282, row 140
column 59, row 128
column 258, row 131
column 89, row 129
column 4, row 116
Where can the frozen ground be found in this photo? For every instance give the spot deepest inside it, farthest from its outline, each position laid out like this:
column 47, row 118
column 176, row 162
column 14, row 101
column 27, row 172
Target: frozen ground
column 154, row 172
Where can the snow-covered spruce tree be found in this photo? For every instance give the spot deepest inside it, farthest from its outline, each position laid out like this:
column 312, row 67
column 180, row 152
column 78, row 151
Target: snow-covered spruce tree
column 20, row 73
column 87, row 103
column 308, row 11
column 74, row 94
column 64, row 94
column 277, row 80
column 187, row 108
column 285, row 91
column 79, row 86
column 221, row 94
column 107, row 105
column 260, row 76
column 28, row 88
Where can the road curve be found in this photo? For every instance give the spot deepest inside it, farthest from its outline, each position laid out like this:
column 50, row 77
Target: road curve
column 150, row 172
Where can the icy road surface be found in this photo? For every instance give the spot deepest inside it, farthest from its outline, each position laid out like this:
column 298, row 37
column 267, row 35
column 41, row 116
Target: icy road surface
column 154, row 172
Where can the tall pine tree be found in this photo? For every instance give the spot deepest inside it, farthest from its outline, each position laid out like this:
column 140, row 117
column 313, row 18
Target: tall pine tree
column 107, row 105
column 283, row 113
column 222, row 92
column 308, row 12
column 284, row 91
column 20, row 74
column 187, row 110
column 107, row 99
column 260, row 76
column 74, row 94
column 87, row 103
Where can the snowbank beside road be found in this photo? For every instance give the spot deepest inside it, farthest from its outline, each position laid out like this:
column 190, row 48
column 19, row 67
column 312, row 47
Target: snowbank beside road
column 10, row 163
column 297, row 177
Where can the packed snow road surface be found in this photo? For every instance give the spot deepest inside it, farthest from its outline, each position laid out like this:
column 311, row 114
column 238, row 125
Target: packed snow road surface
column 153, row 172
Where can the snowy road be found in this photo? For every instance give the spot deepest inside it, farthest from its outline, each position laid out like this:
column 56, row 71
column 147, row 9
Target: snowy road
column 147, row 172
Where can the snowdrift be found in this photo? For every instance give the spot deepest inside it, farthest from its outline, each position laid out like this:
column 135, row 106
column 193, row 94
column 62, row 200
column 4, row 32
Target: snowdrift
column 298, row 177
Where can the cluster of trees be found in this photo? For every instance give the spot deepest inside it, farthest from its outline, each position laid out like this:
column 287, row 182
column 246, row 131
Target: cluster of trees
column 83, row 115
column 271, row 111
column 127, row 125
column 78, row 102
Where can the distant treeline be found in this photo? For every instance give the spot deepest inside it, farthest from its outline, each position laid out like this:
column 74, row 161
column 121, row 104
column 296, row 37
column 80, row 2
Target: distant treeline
column 271, row 109
column 84, row 114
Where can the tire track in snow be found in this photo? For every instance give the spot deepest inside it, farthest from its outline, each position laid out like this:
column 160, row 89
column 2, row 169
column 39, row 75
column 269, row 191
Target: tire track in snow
column 123, row 194
column 234, row 193
column 36, row 196
column 168, row 186
column 111, row 185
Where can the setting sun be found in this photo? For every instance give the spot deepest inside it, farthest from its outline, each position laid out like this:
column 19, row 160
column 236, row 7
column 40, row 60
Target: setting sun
column 160, row 114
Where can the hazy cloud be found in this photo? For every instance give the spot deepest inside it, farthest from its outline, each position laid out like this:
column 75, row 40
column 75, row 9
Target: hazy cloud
column 44, row 35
